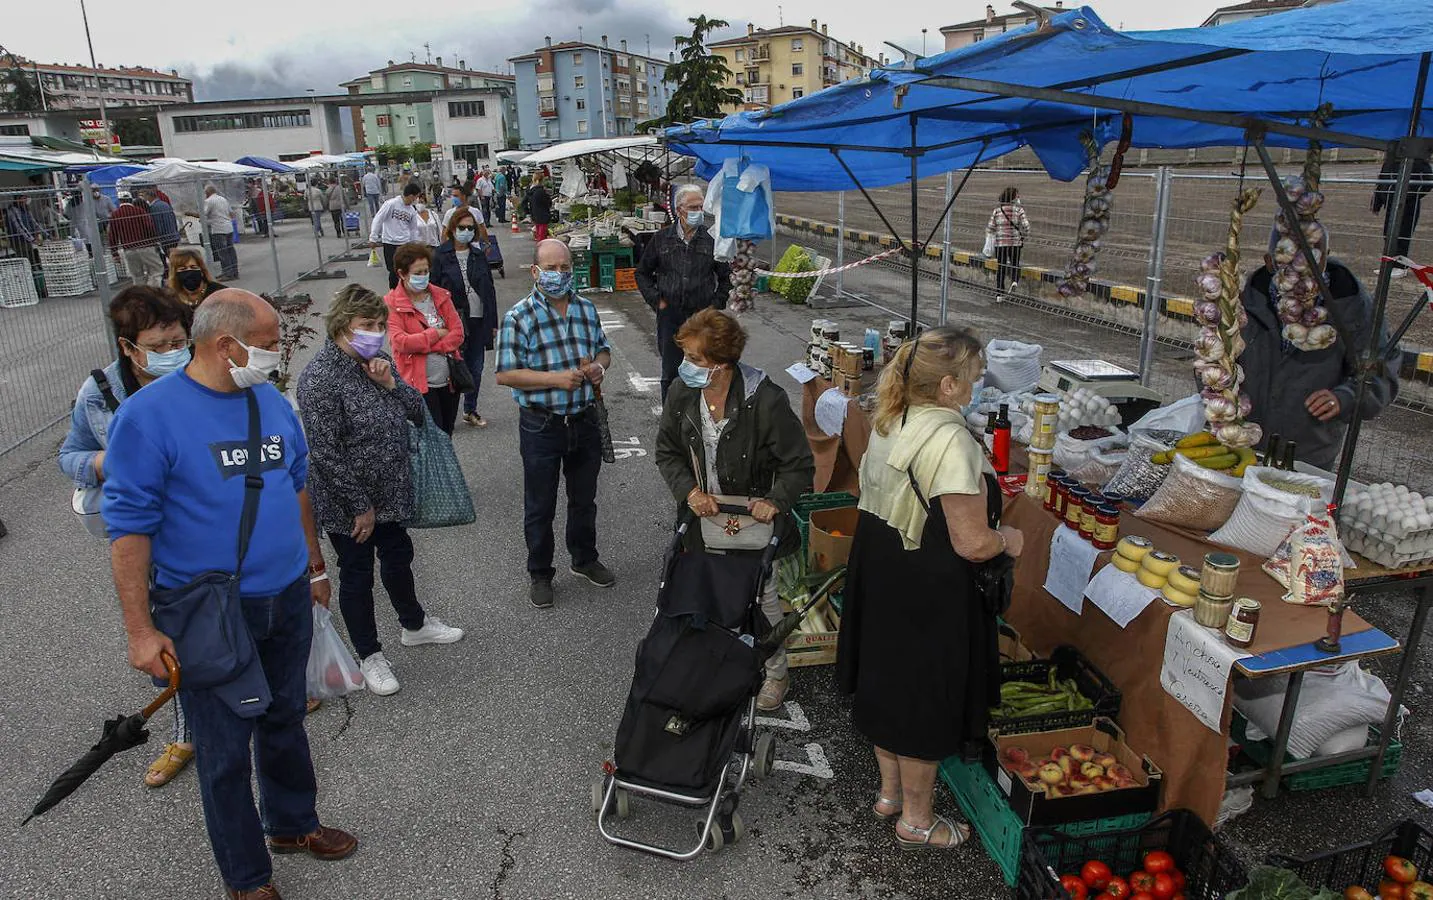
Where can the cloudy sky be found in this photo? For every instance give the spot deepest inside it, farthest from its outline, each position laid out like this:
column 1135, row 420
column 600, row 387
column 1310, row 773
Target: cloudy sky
column 274, row 48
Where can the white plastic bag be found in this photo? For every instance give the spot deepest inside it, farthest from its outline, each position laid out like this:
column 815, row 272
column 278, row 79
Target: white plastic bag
column 1012, row 366
column 1184, row 416
column 1072, row 454
column 332, row 670
column 1333, row 700
column 989, row 249
column 374, row 260
column 1266, row 514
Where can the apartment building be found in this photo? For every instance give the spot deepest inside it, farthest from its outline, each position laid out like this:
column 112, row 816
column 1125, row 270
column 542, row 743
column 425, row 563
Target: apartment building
column 413, row 123
column 80, row 87
column 976, row 30
column 574, row 90
column 773, row 65
column 1255, row 9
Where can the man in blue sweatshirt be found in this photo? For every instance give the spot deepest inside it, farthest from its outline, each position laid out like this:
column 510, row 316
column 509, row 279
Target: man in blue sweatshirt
column 172, row 498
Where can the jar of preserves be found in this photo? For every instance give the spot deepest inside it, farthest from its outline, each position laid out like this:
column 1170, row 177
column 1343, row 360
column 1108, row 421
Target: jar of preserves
column 1075, row 506
column 1115, row 499
column 1243, row 622
column 1107, row 527
column 1087, row 516
column 1052, row 487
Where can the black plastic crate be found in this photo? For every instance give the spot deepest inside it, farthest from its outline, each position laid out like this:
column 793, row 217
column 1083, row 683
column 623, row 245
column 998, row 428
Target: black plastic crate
column 1362, row 864
column 1068, row 662
column 1211, row 870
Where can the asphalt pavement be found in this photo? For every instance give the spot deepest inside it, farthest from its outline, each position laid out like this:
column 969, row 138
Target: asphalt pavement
column 474, row 780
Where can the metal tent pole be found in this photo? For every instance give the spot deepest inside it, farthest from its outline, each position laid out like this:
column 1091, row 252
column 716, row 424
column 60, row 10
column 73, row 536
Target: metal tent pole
column 840, row 244
column 1152, row 290
column 1373, row 353
column 273, row 238
column 99, row 262
column 945, row 250
column 915, row 250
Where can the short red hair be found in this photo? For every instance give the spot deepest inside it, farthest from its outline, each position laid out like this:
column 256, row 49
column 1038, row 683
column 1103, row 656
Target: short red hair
column 405, row 256
column 714, row 334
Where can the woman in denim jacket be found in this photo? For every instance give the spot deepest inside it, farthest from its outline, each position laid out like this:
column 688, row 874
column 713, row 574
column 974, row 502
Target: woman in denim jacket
column 151, row 330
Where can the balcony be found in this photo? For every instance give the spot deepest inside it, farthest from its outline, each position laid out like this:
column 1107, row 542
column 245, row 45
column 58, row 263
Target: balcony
column 547, row 107
column 761, row 53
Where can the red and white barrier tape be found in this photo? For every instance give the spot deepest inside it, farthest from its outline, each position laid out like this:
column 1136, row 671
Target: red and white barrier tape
column 812, row 274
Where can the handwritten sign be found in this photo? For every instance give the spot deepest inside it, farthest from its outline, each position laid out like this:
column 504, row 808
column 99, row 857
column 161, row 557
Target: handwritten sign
column 801, row 372
column 1119, row 595
column 1071, row 560
column 1197, row 666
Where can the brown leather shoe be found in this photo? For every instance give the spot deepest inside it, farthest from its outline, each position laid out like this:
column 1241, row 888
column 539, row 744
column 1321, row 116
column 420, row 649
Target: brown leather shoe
column 267, row 892
column 327, row 844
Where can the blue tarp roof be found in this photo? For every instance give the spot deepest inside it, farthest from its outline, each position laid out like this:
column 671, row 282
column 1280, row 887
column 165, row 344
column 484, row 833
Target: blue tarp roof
column 1360, row 55
column 263, row 162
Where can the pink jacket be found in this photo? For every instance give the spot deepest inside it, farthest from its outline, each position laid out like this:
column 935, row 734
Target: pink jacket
column 413, row 340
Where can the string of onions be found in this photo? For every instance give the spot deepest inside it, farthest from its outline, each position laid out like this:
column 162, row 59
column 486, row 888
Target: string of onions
column 1221, row 316
column 743, row 277
column 1094, row 222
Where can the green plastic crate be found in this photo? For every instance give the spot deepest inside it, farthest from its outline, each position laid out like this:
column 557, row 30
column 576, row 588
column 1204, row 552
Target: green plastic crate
column 581, row 279
column 1001, row 831
column 1355, row 772
column 810, row 503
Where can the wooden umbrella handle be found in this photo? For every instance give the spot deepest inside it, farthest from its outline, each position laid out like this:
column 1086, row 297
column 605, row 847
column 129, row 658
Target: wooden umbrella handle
column 171, row 665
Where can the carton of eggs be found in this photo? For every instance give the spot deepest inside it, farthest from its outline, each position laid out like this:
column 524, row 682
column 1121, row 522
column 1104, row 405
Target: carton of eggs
column 1078, row 407
column 1389, row 524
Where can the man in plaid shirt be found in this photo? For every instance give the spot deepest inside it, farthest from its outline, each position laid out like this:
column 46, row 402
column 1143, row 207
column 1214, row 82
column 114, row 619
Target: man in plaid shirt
column 552, row 353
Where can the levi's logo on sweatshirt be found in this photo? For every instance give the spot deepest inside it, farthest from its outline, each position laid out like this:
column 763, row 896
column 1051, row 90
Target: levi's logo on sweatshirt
column 232, row 456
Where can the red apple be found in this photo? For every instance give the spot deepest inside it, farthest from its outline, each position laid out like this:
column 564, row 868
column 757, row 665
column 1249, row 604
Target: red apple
column 1356, row 893
column 1091, row 770
column 1028, row 771
column 1014, row 756
column 1082, row 752
column 1400, row 870
column 1050, row 773
column 1059, row 752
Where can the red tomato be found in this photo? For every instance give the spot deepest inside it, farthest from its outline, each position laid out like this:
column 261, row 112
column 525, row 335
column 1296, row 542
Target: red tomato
column 1141, row 895
column 1074, row 886
column 1104, row 896
column 1157, row 862
column 1178, row 879
column 1400, row 869
column 1141, row 881
column 1118, row 888
column 1179, row 896
column 1390, row 890
column 1163, row 886
column 1095, row 874
column 1419, row 890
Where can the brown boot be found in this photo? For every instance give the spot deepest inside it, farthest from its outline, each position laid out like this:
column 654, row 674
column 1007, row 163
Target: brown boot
column 327, row 844
column 267, row 892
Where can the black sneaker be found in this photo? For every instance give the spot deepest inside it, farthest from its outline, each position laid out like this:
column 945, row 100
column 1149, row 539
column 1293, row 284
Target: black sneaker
column 541, row 593
column 596, row 573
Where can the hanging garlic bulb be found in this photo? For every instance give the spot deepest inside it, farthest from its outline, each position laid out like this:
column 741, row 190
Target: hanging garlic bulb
column 1299, row 295
column 1094, row 223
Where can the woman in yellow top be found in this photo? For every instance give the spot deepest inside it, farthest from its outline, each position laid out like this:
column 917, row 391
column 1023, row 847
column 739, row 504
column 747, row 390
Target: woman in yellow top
column 918, row 644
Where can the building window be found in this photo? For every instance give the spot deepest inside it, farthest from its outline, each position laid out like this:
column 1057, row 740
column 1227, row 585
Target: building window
column 240, row 121
column 798, row 69
column 547, row 104
column 577, row 59
column 741, row 78
column 581, row 126
column 471, row 153
column 797, row 93
column 407, row 81
column 384, row 120
column 581, row 103
column 977, row 36
column 542, row 130
column 412, row 121
column 466, row 109
column 15, row 130
column 797, row 44
column 741, row 56
column 579, row 83
column 544, row 84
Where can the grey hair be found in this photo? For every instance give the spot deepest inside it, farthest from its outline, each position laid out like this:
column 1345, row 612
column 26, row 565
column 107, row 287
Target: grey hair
column 685, row 189
column 210, row 187
column 352, row 301
column 219, row 315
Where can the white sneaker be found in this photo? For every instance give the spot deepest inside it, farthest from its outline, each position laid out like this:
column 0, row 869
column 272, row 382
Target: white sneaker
column 1399, row 272
column 432, row 632
column 378, row 675
column 1014, row 286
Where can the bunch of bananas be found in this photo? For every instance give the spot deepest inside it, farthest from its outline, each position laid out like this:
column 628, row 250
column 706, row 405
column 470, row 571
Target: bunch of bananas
column 1204, row 448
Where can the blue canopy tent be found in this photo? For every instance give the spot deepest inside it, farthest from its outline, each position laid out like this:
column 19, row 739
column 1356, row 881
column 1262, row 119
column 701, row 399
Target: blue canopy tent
column 263, row 162
column 1255, row 82
column 107, row 177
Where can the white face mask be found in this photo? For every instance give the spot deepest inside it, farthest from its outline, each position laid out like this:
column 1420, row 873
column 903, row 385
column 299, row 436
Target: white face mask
column 262, row 364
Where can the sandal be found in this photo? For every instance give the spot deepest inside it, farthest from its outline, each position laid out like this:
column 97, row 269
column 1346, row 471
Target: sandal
column 170, row 763
column 959, row 834
column 312, row 706
column 893, row 805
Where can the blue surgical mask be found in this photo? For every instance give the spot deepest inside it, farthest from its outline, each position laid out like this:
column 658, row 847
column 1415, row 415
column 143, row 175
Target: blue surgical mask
column 161, row 364
column 693, row 375
column 695, row 217
column 553, row 283
column 465, row 235
column 418, row 282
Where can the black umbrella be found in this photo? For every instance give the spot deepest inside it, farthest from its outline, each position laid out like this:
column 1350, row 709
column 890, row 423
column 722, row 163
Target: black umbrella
column 776, row 638
column 120, row 733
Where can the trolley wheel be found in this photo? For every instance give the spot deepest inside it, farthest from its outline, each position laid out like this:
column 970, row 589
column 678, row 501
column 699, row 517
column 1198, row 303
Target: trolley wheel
column 502, row 272
column 599, row 792
column 764, row 756
column 623, row 803
column 715, row 839
column 734, row 829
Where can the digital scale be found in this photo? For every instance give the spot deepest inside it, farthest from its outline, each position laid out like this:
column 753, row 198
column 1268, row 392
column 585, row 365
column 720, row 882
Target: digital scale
column 1115, row 383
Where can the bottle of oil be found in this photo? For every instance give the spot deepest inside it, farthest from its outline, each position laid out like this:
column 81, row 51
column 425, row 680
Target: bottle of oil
column 1289, row 456
column 1271, row 452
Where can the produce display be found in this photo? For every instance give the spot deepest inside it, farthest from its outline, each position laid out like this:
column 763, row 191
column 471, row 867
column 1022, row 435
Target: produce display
column 1205, row 449
column 1094, row 222
column 1400, row 882
column 1221, row 315
column 1079, row 408
column 1389, row 524
column 795, row 259
column 1158, row 879
column 1294, row 287
column 1068, row 771
column 1027, row 698
column 743, row 277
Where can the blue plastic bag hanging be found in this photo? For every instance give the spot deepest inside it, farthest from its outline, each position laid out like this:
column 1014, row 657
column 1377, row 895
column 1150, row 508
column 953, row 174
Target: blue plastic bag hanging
column 743, row 204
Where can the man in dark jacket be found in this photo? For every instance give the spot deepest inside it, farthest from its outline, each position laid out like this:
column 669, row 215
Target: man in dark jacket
column 166, row 225
column 680, row 275
column 1308, row 396
column 1419, row 184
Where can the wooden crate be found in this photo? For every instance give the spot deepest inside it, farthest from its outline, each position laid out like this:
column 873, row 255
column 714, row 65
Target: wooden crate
column 819, row 649
column 626, row 280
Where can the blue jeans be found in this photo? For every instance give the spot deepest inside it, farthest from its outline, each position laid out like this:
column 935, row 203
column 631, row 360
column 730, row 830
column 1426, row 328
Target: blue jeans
column 552, row 447
column 474, row 354
column 282, row 627
column 373, row 203
column 317, row 216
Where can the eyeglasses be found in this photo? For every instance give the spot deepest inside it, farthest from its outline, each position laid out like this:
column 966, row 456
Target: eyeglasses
column 167, row 347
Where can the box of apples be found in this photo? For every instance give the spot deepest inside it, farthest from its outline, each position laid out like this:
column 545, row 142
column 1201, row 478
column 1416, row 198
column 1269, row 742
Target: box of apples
column 1077, row 774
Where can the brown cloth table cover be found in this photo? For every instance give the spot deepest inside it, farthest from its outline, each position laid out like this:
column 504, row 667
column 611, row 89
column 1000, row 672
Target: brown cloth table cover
column 838, row 459
column 1192, row 756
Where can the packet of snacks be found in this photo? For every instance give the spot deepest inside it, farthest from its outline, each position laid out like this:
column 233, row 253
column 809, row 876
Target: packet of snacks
column 1309, row 562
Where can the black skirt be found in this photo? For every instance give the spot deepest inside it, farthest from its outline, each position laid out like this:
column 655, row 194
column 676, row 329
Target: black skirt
column 918, row 647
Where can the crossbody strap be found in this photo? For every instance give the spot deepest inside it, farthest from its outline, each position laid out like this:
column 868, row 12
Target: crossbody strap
column 253, row 482
column 111, row 402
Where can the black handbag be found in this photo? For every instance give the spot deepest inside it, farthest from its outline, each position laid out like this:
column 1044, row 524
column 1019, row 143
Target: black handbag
column 459, row 377
column 205, row 618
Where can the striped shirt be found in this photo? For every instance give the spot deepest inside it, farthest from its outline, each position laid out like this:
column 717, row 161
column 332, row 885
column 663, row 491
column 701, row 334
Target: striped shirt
column 534, row 337
column 1009, row 224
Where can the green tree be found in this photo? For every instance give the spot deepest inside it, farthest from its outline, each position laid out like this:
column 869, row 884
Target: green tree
column 19, row 91
column 700, row 78
column 421, row 153
column 136, row 132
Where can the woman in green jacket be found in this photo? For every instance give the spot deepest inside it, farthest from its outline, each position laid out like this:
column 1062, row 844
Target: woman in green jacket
column 726, row 429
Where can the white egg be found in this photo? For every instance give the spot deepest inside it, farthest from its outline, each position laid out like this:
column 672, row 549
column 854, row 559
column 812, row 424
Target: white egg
column 1408, row 523
column 1425, row 520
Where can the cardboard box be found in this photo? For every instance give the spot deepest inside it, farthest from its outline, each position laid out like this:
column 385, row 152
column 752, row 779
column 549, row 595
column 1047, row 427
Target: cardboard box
column 1034, row 808
column 1012, row 646
column 826, row 550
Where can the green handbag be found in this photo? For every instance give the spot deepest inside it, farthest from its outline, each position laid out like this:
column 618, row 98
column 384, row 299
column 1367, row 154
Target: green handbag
column 440, row 493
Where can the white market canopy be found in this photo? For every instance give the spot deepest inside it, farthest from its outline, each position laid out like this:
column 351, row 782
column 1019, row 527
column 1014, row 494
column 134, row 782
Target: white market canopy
column 324, row 160
column 513, row 157
column 588, row 147
column 168, row 170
